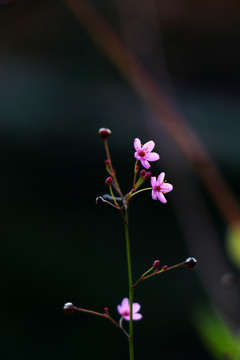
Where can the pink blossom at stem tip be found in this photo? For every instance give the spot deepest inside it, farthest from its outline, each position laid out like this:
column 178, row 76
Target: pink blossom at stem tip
column 124, row 310
column 144, row 154
column 159, row 187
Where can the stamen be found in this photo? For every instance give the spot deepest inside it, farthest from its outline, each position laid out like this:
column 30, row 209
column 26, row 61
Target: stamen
column 142, row 153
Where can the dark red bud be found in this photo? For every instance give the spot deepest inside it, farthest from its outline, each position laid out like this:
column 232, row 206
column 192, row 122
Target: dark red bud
column 191, row 263
column 148, row 175
column 133, row 191
column 107, row 162
column 156, row 264
column 104, row 133
column 99, row 201
column 109, row 181
column 142, row 173
column 68, row 308
column 106, row 310
column 165, row 267
column 137, row 167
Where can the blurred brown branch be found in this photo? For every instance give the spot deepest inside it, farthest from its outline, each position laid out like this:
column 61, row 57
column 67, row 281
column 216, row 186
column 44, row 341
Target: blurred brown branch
column 165, row 112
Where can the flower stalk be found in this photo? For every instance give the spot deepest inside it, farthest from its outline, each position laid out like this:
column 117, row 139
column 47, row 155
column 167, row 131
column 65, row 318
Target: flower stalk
column 130, row 288
column 128, row 309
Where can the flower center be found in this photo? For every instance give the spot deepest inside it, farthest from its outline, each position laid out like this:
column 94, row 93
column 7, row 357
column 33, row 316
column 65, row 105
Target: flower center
column 142, row 153
column 158, row 188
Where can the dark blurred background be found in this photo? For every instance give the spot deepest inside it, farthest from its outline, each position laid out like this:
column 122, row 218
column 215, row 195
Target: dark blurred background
column 57, row 88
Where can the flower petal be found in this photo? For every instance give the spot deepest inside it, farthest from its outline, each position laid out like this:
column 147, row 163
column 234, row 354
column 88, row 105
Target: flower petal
column 153, row 156
column 161, row 197
column 153, row 181
column 165, row 188
column 137, row 144
column 145, row 163
column 119, row 309
column 137, row 156
column 137, row 316
column 154, row 195
column 148, row 146
column 136, row 307
column 125, row 304
column 161, row 178
column 126, row 317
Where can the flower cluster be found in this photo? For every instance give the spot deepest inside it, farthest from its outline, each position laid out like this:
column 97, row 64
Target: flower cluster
column 144, row 155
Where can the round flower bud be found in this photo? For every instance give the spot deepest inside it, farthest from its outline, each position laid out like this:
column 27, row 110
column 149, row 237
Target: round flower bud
column 104, row 133
column 156, row 264
column 106, row 310
column 191, row 263
column 142, row 173
column 99, row 201
column 107, row 162
column 148, row 175
column 133, row 191
column 109, row 181
column 68, row 308
column 165, row 267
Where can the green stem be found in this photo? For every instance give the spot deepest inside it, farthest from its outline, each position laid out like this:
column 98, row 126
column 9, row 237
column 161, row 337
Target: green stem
column 137, row 192
column 111, row 169
column 135, row 174
column 130, row 339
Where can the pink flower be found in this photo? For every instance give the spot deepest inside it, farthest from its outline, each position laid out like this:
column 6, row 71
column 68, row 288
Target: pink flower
column 124, row 310
column 159, row 187
column 144, row 154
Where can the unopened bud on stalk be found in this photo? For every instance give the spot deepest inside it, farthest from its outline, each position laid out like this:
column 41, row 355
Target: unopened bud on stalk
column 109, row 181
column 68, row 308
column 106, row 310
column 156, row 264
column 191, row 263
column 142, row 173
column 99, row 201
column 104, row 133
column 148, row 175
column 133, row 191
column 165, row 267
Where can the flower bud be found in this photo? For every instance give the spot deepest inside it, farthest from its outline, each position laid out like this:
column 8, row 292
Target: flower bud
column 165, row 267
column 133, row 191
column 106, row 310
column 99, row 201
column 191, row 263
column 142, row 173
column 104, row 133
column 109, row 181
column 148, row 175
column 68, row 308
column 137, row 167
column 107, row 162
column 156, row 264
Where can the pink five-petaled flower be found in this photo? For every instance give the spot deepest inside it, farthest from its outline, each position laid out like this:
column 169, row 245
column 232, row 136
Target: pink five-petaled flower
column 144, row 154
column 124, row 310
column 159, row 187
